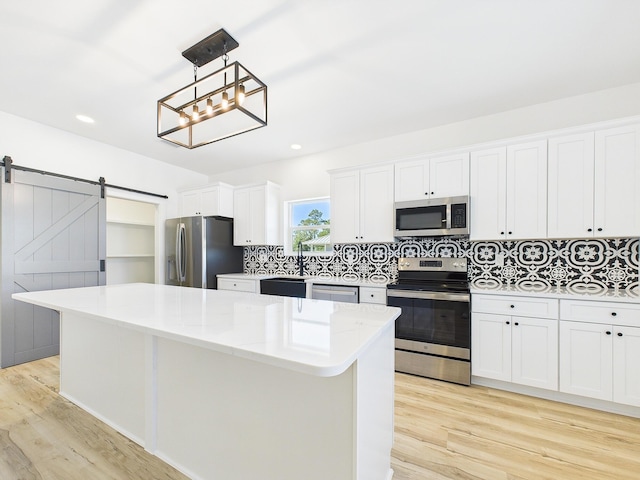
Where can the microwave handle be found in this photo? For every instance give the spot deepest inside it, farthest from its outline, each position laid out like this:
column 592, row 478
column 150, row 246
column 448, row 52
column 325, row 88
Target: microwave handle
column 448, row 214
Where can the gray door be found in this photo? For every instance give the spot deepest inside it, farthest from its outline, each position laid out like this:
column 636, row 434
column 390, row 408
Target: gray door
column 53, row 236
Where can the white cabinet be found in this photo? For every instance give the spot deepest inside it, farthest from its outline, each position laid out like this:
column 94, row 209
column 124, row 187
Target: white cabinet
column 491, row 346
column 214, row 199
column 616, row 180
column 512, row 348
column 626, row 365
column 593, row 180
column 256, row 212
column 239, row 284
column 362, row 205
column 508, row 190
column 445, row 176
column 586, row 359
column 130, row 241
column 571, row 169
column 597, row 359
column 377, row 295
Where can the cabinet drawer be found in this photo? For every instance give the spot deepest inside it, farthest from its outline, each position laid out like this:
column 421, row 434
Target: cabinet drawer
column 511, row 305
column 373, row 295
column 612, row 313
column 239, row 285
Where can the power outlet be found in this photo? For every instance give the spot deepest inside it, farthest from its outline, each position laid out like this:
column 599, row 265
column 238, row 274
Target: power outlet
column 500, row 259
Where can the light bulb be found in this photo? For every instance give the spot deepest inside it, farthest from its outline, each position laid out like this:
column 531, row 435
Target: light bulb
column 225, row 100
column 209, row 106
column 196, row 114
column 183, row 118
column 240, row 95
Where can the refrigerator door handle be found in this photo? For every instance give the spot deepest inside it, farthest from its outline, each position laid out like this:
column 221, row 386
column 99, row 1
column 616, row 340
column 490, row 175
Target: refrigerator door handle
column 181, row 252
column 178, row 267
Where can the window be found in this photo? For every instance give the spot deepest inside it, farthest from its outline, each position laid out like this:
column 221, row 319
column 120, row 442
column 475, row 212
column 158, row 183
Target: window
column 308, row 225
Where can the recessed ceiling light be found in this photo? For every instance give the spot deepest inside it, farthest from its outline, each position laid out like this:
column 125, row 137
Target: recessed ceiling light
column 295, row 146
column 85, row 119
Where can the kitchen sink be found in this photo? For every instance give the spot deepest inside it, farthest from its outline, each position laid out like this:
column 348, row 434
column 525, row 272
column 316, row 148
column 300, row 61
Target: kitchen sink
column 284, row 286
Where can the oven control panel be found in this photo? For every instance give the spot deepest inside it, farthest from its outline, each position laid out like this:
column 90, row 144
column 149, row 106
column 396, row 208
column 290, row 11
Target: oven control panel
column 445, row 264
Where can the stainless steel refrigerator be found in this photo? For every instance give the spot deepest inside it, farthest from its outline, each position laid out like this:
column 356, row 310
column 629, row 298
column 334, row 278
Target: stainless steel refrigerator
column 199, row 248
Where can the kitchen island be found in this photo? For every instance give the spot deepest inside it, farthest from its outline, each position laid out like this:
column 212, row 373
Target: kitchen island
column 230, row 385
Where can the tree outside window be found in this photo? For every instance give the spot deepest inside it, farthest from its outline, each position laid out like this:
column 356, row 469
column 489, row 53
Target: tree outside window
column 309, row 225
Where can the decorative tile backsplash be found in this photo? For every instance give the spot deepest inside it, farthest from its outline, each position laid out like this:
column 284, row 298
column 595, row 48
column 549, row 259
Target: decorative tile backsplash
column 580, row 265
column 593, row 265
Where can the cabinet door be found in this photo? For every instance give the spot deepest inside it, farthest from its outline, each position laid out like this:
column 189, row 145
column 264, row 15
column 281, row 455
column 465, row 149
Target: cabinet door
column 449, row 175
column 412, row 180
column 617, row 176
column 626, row 365
column 526, row 202
column 376, row 204
column 190, row 203
column 488, row 194
column 534, row 350
column 491, row 346
column 258, row 207
column 345, row 212
column 242, row 223
column 210, row 201
column 571, row 169
column 586, row 360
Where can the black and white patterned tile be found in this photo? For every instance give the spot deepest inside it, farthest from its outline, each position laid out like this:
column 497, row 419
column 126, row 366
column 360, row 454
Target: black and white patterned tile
column 593, row 265
column 582, row 265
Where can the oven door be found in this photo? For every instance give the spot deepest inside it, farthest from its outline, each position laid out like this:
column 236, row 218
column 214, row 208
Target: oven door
column 436, row 323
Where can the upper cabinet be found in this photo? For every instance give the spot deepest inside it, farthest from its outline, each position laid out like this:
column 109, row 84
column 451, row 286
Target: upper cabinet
column 445, row 176
column 509, row 192
column 593, row 179
column 214, row 199
column 617, row 181
column 256, row 213
column 362, row 205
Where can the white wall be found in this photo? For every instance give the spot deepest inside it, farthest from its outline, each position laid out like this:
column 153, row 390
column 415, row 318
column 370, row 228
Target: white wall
column 306, row 177
column 38, row 146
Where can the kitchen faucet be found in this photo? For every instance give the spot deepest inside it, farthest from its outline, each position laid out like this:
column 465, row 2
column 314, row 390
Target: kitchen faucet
column 300, row 260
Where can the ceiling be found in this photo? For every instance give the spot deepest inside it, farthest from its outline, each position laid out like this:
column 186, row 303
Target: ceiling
column 338, row 72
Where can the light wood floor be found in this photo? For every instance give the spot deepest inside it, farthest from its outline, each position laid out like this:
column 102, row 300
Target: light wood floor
column 446, row 431
column 443, row 431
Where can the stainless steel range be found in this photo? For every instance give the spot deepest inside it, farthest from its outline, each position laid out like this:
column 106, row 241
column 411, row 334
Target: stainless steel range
column 433, row 333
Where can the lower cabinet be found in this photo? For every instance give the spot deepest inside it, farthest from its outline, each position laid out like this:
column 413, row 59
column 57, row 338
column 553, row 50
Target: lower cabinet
column 239, row 284
column 600, row 361
column 515, row 349
column 589, row 348
column 376, row 295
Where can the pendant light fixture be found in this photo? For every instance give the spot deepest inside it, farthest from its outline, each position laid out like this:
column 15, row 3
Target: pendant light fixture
column 235, row 101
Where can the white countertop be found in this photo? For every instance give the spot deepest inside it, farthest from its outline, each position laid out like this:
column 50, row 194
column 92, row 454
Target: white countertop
column 315, row 337
column 610, row 295
column 356, row 282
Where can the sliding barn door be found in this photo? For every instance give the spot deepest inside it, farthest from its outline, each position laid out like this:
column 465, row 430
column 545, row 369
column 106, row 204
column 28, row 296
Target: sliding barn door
column 53, row 236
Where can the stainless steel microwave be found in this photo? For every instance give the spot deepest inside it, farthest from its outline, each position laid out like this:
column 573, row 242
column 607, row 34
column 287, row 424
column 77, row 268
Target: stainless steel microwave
column 432, row 217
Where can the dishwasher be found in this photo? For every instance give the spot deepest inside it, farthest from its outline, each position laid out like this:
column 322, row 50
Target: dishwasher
column 336, row 293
